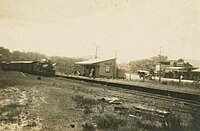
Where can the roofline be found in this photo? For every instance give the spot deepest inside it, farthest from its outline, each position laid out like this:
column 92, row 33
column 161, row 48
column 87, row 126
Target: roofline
column 22, row 61
column 77, row 63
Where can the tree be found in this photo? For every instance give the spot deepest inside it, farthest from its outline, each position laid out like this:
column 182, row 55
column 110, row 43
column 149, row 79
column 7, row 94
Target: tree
column 5, row 53
column 146, row 64
column 159, row 58
column 65, row 64
column 18, row 55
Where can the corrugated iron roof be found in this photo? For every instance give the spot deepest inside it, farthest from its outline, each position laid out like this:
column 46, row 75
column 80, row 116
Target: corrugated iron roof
column 175, row 68
column 93, row 61
column 197, row 70
column 143, row 71
column 28, row 62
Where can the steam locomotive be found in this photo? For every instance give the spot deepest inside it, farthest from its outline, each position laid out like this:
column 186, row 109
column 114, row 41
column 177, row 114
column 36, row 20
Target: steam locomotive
column 43, row 67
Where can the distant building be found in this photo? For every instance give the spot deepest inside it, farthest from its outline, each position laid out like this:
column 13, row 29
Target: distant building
column 196, row 74
column 175, row 69
column 180, row 62
column 0, row 60
column 101, row 68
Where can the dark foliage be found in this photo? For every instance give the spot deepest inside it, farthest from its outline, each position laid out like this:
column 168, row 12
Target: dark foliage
column 4, row 53
column 85, row 102
column 146, row 64
column 110, row 122
column 88, row 127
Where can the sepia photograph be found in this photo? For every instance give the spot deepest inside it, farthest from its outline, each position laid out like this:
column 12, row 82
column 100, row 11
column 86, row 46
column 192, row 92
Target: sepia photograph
column 99, row 65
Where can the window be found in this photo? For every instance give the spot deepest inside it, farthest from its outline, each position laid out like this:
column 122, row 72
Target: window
column 107, row 69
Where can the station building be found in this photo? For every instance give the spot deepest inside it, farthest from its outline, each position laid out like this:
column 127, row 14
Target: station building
column 106, row 68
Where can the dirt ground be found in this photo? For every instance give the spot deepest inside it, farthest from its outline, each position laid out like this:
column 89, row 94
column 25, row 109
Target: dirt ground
column 29, row 102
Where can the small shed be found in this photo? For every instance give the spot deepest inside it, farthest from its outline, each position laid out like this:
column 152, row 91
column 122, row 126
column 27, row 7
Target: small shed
column 102, row 67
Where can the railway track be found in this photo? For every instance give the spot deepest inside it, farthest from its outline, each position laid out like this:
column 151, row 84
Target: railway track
column 188, row 104
column 140, row 97
column 185, row 108
column 190, row 98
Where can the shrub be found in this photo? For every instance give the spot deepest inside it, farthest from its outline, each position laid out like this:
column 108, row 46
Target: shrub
column 196, row 83
column 110, row 122
column 88, row 127
column 195, row 123
column 164, row 82
column 175, row 124
column 87, row 110
column 84, row 102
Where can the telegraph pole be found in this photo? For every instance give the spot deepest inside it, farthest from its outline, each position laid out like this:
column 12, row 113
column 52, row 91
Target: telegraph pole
column 96, row 52
column 160, row 66
column 115, row 64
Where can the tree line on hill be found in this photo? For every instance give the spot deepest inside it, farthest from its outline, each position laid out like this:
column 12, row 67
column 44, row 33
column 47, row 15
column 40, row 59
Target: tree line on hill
column 63, row 64
column 67, row 65
column 146, row 64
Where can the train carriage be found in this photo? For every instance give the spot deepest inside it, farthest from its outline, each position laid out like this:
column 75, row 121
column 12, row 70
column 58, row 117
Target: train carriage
column 31, row 67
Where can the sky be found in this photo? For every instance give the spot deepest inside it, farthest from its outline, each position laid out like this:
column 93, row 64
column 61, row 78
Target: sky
column 134, row 29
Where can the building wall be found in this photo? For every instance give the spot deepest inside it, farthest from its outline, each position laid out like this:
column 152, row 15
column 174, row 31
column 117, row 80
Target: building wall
column 195, row 76
column 169, row 72
column 107, row 69
column 87, row 69
column 97, row 70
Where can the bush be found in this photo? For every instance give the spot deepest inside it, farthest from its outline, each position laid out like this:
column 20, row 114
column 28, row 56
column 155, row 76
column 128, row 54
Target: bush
column 84, row 102
column 195, row 124
column 88, row 127
column 196, row 83
column 87, row 110
column 110, row 122
column 164, row 82
column 175, row 124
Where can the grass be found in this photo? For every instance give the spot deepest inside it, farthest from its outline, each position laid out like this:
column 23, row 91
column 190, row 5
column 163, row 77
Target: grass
column 62, row 96
column 121, row 121
column 88, row 126
column 84, row 102
column 108, row 121
column 8, row 83
column 195, row 122
column 87, row 110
